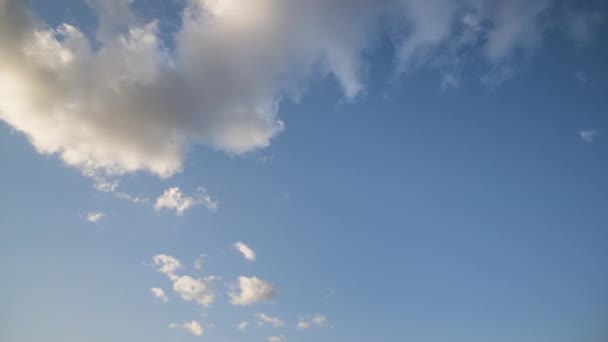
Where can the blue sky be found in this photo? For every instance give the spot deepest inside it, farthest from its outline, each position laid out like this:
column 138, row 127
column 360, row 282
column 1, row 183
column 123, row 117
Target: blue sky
column 397, row 170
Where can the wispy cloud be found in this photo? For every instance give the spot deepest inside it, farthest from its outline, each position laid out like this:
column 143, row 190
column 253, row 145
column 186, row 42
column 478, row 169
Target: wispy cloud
column 589, row 135
column 95, row 216
column 264, row 319
column 280, row 338
column 159, row 293
column 307, row 323
column 192, row 327
column 174, row 198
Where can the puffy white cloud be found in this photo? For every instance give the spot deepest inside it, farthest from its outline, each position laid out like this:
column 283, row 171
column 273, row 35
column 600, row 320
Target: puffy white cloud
column 242, row 326
column 159, row 293
column 173, row 198
column 192, row 289
column 588, row 135
column 95, row 216
column 193, row 327
column 130, row 103
column 280, row 338
column 307, row 323
column 167, row 264
column 264, row 319
column 250, row 290
column 247, row 252
column 198, row 290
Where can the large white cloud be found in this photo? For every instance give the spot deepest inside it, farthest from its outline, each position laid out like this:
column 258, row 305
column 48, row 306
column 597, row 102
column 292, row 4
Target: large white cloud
column 250, row 290
column 127, row 103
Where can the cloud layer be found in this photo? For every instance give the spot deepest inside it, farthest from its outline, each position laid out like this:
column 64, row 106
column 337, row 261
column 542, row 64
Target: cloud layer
column 126, row 102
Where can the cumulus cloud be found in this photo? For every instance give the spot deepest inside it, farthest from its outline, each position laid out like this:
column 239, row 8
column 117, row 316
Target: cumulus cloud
column 307, row 323
column 127, row 102
column 588, row 135
column 280, row 338
column 192, row 327
column 250, row 290
column 159, row 293
column 193, row 289
column 174, row 198
column 264, row 319
column 198, row 290
column 247, row 252
column 95, row 216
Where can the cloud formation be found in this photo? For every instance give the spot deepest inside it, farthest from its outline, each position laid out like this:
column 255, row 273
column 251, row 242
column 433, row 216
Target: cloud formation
column 250, row 290
column 192, row 327
column 280, row 338
column 95, row 216
column 198, row 290
column 588, row 135
column 173, row 198
column 247, row 252
column 159, row 293
column 127, row 102
column 264, row 319
column 307, row 323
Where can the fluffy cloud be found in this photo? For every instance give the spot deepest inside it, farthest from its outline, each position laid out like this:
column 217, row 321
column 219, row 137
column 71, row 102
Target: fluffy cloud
column 588, row 135
column 173, row 198
column 192, row 289
column 250, row 290
column 159, row 293
column 247, row 252
column 127, row 102
column 193, row 327
column 280, row 338
column 307, row 323
column 198, row 290
column 95, row 216
column 167, row 264
column 264, row 319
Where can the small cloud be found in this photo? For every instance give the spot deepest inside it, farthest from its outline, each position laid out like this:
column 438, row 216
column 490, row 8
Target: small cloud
column 581, row 77
column 242, row 326
column 167, row 264
column 307, row 323
column 247, row 252
column 198, row 263
column 192, row 327
column 280, row 338
column 95, row 216
column 265, row 159
column 173, row 198
column 250, row 290
column 588, row 135
column 159, row 293
column 264, row 319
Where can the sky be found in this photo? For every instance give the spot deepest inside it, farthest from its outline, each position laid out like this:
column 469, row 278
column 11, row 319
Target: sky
column 284, row 170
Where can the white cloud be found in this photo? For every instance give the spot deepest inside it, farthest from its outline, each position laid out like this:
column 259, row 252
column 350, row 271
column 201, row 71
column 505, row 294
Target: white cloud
column 589, row 135
column 198, row 290
column 250, row 290
column 307, row 323
column 280, row 338
column 192, row 289
column 173, row 198
column 193, row 327
column 264, row 319
column 130, row 103
column 247, row 252
column 167, row 264
column 159, row 293
column 242, row 326
column 95, row 216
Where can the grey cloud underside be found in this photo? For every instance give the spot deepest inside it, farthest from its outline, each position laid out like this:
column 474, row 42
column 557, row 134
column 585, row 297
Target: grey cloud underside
column 132, row 104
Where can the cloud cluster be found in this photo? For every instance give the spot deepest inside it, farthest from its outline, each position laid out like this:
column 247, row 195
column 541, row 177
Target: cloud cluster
column 250, row 290
column 192, row 327
column 126, row 102
column 198, row 290
column 307, row 323
column 247, row 252
column 264, row 319
column 174, row 198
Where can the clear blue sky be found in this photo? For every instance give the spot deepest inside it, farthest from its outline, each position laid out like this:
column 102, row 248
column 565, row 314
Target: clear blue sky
column 425, row 185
